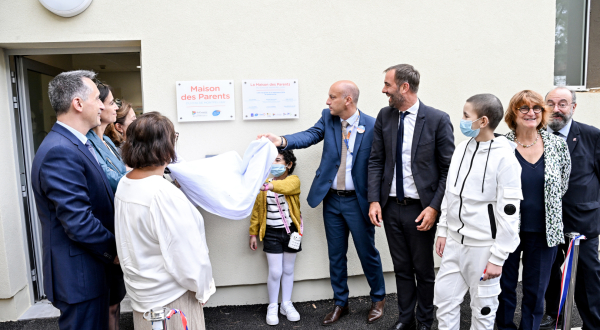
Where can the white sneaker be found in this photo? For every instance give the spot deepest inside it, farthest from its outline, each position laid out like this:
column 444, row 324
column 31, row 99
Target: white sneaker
column 287, row 309
column 272, row 317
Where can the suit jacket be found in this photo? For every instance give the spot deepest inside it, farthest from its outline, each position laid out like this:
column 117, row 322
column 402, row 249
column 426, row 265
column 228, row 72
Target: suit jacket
column 431, row 152
column 75, row 205
column 329, row 128
column 581, row 203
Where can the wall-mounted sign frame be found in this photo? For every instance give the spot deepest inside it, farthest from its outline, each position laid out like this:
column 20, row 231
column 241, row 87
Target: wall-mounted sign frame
column 205, row 100
column 270, row 99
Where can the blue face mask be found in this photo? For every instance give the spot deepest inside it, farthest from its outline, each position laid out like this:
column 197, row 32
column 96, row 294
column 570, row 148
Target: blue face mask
column 465, row 128
column 277, row 170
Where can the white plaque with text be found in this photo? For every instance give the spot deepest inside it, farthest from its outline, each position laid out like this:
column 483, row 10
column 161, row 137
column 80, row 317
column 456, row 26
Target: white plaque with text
column 205, row 100
column 270, row 99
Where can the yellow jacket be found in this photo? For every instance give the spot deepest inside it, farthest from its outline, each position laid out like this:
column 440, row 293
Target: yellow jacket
column 290, row 187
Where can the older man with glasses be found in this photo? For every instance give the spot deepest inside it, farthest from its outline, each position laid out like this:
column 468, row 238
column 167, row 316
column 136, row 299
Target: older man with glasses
column 581, row 210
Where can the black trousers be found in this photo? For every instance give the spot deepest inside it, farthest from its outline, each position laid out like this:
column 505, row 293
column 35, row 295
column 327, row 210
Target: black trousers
column 412, row 255
column 537, row 262
column 587, row 285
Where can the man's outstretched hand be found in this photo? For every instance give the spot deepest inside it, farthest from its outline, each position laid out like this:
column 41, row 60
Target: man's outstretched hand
column 276, row 139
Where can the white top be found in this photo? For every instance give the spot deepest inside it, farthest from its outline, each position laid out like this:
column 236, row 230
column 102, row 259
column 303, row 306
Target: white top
column 484, row 183
column 352, row 126
column 410, row 189
column 273, row 216
column 160, row 243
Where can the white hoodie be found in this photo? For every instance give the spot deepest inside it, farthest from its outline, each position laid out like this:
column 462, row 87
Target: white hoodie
column 483, row 196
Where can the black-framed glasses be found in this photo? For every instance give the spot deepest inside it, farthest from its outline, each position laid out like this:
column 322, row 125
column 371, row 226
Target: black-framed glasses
column 536, row 109
column 560, row 105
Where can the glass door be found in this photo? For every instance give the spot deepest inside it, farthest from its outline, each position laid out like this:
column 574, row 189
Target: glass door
column 35, row 119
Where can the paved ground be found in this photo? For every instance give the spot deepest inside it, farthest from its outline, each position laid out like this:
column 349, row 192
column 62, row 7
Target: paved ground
column 253, row 317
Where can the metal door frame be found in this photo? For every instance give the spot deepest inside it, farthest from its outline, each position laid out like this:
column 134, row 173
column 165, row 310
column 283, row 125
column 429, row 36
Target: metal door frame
column 33, row 227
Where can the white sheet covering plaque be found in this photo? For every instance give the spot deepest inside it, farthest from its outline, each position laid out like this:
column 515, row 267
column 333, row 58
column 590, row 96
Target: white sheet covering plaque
column 270, row 99
column 205, row 100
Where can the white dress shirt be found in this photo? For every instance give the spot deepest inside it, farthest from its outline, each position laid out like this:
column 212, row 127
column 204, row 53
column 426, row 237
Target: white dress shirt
column 563, row 132
column 160, row 243
column 75, row 132
column 410, row 189
column 352, row 127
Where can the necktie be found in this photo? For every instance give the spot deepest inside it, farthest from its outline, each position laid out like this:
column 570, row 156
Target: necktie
column 399, row 176
column 557, row 133
column 89, row 146
column 341, row 174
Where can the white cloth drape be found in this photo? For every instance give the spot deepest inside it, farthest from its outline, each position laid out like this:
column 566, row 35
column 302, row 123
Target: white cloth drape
column 226, row 185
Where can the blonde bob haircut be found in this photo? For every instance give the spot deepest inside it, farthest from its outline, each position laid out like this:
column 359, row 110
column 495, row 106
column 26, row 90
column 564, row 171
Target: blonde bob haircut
column 528, row 98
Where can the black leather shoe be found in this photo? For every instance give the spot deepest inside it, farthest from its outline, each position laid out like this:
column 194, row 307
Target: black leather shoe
column 548, row 322
column 404, row 326
column 421, row 326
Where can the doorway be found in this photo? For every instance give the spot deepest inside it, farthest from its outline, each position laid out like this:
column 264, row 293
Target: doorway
column 34, row 118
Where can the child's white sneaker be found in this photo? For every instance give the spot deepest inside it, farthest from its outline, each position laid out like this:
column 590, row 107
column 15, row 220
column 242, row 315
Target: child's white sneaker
column 287, row 309
column 272, row 317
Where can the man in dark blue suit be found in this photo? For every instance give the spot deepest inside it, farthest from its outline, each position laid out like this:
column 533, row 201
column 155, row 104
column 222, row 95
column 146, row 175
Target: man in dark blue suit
column 581, row 210
column 412, row 147
column 341, row 183
column 75, row 205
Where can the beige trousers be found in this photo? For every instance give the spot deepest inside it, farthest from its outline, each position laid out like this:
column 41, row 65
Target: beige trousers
column 188, row 304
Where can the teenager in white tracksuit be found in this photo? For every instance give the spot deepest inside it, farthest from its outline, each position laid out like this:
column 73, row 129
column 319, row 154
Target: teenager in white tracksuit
column 478, row 226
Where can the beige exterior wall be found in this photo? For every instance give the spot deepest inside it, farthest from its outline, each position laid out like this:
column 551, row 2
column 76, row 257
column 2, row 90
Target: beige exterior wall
column 460, row 48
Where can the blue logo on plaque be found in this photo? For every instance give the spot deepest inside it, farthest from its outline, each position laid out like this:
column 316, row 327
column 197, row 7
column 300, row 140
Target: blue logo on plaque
column 216, row 112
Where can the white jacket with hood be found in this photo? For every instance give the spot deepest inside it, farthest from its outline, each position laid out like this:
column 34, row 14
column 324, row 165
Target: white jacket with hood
column 483, row 196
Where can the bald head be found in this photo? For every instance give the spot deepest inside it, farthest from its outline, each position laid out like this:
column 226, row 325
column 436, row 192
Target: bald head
column 347, row 88
column 562, row 90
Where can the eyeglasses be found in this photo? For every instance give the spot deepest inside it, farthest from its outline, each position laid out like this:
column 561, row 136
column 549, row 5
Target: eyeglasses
column 536, row 109
column 560, row 105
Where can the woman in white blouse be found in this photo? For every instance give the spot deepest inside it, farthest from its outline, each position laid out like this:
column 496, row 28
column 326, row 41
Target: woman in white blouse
column 160, row 234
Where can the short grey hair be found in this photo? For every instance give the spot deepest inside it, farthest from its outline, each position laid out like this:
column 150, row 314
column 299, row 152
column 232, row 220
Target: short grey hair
column 67, row 86
column 573, row 93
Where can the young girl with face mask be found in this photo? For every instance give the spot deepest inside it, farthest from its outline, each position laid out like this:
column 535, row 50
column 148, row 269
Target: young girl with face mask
column 276, row 216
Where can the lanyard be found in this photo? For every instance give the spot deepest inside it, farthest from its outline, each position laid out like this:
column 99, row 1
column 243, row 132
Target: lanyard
column 284, row 219
column 349, row 132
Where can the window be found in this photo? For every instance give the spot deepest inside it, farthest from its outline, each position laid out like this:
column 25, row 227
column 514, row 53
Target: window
column 571, row 43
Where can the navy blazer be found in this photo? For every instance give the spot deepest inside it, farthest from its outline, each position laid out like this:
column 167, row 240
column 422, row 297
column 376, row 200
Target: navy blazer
column 431, row 152
column 75, row 205
column 329, row 128
column 581, row 202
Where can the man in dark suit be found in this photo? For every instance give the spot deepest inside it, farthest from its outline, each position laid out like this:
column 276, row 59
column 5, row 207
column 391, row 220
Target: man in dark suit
column 341, row 183
column 581, row 210
column 75, row 205
column 412, row 147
